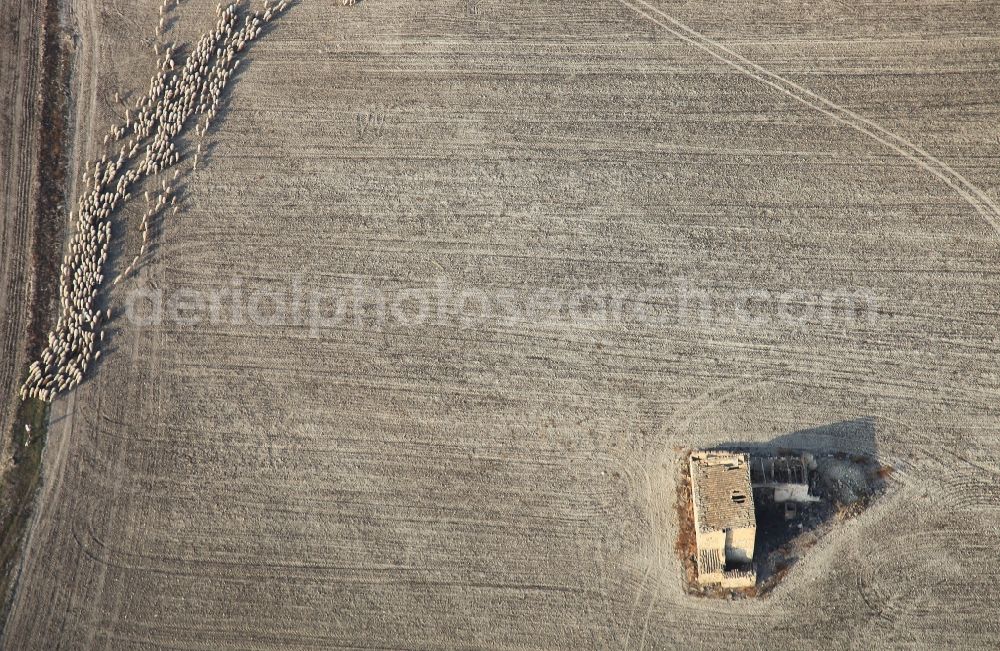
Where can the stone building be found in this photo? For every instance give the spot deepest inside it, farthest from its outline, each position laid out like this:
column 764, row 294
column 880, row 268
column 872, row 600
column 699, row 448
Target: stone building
column 724, row 519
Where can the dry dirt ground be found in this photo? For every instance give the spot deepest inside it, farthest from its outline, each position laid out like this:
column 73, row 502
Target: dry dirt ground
column 227, row 485
column 20, row 69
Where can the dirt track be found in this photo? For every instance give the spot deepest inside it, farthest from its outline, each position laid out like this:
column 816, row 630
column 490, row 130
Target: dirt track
column 20, row 67
column 231, row 485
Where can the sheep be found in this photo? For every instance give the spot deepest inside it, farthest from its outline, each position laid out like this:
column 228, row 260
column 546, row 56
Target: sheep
column 177, row 91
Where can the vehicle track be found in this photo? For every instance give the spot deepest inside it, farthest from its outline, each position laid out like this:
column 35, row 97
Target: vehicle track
column 229, row 486
column 971, row 193
column 20, row 114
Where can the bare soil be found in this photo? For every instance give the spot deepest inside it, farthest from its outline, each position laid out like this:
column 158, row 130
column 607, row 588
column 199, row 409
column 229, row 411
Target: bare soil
column 21, row 78
column 483, row 483
column 34, row 110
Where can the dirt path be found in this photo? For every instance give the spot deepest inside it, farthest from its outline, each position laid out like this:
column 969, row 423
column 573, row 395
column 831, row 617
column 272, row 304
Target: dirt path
column 20, row 112
column 238, row 485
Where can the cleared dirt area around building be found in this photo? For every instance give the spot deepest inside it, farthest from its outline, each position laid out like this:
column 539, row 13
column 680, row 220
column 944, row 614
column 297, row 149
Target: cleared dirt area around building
column 258, row 469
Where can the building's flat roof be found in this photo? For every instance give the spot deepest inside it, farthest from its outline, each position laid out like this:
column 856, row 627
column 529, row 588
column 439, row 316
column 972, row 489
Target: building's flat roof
column 716, row 479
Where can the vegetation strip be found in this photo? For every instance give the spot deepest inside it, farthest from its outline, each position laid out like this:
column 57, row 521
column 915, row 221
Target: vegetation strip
column 27, row 436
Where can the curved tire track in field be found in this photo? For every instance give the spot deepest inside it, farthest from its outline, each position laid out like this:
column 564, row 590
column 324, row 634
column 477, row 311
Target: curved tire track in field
column 972, row 194
column 153, row 562
column 960, row 483
column 891, row 605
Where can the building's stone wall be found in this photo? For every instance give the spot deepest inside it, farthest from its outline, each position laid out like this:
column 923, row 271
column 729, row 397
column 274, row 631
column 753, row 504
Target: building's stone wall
column 739, row 547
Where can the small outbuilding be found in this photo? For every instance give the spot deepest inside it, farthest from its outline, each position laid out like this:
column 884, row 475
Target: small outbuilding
column 783, row 478
column 724, row 518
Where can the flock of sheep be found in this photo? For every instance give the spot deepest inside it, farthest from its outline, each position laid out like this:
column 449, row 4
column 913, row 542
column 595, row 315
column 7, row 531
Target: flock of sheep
column 177, row 92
